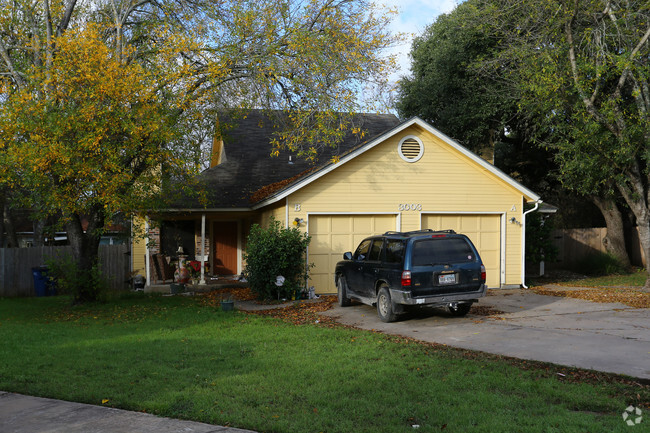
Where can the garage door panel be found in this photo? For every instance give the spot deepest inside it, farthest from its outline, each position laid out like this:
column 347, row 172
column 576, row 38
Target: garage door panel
column 320, row 260
column 447, row 222
column 340, row 242
column 339, row 224
column 488, row 239
column 319, row 281
column 483, row 230
column 333, row 235
column 469, row 225
column 320, row 225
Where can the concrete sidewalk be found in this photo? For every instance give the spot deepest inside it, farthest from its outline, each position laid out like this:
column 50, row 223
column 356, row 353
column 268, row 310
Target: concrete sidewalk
column 24, row 414
column 611, row 338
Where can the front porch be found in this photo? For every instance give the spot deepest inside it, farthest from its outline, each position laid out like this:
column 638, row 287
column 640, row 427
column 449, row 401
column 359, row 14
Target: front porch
column 211, row 283
column 215, row 242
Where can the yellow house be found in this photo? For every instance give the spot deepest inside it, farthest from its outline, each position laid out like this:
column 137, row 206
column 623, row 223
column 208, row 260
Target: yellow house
column 405, row 176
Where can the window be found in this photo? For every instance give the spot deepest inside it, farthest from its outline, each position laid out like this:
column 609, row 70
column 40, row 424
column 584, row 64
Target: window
column 375, row 251
column 438, row 251
column 410, row 148
column 394, row 251
column 362, row 251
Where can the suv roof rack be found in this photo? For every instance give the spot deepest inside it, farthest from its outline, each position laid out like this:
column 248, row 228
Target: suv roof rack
column 423, row 231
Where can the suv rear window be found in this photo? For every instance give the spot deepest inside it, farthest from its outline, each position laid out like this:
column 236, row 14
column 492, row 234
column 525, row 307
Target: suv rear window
column 443, row 250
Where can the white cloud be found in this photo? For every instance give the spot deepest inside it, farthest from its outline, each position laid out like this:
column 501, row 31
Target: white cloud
column 412, row 19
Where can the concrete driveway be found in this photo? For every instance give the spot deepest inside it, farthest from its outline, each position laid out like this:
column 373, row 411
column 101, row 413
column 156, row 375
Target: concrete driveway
column 605, row 337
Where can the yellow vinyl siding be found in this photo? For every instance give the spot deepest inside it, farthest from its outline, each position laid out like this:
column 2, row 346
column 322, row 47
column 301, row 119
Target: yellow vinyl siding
column 139, row 248
column 277, row 211
column 332, row 235
column 442, row 181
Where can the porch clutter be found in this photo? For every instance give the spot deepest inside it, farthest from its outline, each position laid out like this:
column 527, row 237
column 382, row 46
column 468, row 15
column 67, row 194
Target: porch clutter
column 181, row 274
column 163, row 271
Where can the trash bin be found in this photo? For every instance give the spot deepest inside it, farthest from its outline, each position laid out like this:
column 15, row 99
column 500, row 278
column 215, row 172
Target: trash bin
column 43, row 284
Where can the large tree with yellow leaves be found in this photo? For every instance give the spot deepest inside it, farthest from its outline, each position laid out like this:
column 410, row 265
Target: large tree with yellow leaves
column 102, row 99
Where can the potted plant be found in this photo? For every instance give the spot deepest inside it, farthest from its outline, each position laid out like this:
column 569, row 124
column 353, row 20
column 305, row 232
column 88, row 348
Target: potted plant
column 227, row 303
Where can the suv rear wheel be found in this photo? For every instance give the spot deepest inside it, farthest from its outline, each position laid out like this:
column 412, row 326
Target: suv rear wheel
column 460, row 310
column 385, row 305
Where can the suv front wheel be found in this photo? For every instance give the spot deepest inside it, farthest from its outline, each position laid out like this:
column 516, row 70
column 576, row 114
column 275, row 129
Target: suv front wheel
column 385, row 305
column 342, row 287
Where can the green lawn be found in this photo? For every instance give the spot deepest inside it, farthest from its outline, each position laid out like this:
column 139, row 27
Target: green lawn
column 174, row 356
column 634, row 279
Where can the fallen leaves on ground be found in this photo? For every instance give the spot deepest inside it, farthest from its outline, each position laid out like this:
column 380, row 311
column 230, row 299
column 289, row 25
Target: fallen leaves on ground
column 214, row 297
column 303, row 312
column 631, row 297
column 299, row 313
column 484, row 310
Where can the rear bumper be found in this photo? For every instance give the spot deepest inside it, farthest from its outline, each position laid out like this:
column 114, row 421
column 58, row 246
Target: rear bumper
column 404, row 297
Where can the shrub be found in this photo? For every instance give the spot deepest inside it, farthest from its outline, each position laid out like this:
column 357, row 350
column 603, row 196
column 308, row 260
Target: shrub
column 83, row 285
column 598, row 264
column 272, row 252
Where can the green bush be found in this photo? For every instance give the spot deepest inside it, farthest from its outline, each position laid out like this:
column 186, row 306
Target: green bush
column 598, row 264
column 272, row 252
column 83, row 285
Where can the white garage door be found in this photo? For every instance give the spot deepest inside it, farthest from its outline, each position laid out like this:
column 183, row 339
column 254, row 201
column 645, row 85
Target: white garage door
column 333, row 235
column 483, row 230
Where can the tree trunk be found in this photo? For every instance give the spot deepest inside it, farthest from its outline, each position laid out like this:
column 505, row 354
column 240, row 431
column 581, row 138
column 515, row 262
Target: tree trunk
column 85, row 252
column 10, row 228
column 39, row 228
column 644, row 237
column 615, row 240
column 642, row 214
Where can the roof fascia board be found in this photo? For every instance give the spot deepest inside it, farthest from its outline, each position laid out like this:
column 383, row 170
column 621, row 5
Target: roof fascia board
column 388, row 134
column 181, row 210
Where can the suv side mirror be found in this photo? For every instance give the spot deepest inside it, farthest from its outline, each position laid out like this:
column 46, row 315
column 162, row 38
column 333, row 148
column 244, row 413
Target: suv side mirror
column 347, row 256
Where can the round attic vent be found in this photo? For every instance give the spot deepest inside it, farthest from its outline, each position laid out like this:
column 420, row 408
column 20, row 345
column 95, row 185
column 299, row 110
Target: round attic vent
column 410, row 149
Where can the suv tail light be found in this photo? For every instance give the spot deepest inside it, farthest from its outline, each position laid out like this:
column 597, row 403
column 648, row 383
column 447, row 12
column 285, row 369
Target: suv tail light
column 406, row 278
column 483, row 274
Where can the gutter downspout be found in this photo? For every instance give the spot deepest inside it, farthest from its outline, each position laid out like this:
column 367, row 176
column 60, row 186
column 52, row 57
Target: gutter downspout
column 523, row 243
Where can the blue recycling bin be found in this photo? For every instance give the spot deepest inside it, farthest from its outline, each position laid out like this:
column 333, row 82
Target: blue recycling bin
column 43, row 285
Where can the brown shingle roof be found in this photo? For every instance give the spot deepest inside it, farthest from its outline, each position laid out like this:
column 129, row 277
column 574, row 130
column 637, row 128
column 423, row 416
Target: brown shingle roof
column 249, row 174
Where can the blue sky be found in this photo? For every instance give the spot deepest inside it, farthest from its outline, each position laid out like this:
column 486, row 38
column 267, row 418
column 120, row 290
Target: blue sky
column 414, row 16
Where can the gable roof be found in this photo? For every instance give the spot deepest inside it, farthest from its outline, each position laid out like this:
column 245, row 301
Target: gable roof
column 248, row 173
column 528, row 194
column 250, row 178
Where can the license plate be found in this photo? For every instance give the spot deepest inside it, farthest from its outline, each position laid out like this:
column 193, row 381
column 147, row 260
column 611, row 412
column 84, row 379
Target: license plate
column 447, row 279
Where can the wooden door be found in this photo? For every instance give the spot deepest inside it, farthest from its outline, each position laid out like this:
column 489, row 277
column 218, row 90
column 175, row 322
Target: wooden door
column 225, row 248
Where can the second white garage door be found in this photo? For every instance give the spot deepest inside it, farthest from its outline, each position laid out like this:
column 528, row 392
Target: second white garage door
column 332, row 235
column 483, row 230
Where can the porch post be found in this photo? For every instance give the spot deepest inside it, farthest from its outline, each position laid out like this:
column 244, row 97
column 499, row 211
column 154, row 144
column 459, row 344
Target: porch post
column 147, row 265
column 202, row 282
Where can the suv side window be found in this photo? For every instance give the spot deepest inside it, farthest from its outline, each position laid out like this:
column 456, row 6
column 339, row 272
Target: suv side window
column 394, row 251
column 362, row 250
column 375, row 250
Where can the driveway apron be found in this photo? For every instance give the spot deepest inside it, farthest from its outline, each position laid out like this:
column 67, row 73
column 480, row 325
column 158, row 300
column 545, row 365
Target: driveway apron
column 611, row 338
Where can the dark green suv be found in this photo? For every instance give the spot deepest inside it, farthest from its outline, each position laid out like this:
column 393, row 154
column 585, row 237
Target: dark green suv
column 424, row 267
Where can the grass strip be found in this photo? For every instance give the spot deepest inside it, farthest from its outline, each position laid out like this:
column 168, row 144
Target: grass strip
column 183, row 358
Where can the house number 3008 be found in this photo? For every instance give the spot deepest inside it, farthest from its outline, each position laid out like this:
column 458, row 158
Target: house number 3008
column 412, row 206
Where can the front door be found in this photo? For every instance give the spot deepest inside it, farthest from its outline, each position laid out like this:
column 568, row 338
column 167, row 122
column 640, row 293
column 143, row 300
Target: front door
column 225, row 248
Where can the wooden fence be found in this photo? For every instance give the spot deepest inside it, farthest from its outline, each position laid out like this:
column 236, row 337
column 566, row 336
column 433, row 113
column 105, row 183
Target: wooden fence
column 575, row 244
column 16, row 278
